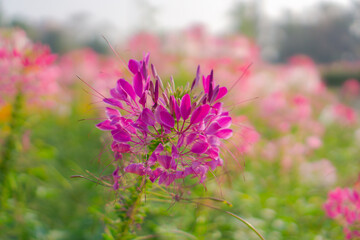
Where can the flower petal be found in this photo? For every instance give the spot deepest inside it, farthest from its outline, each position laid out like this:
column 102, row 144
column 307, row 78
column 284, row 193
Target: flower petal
column 111, row 113
column 120, row 135
column 114, row 102
column 213, row 128
column 138, row 84
column 133, row 66
column 147, row 116
column 224, row 133
column 199, row 114
column 185, row 107
column 224, row 122
column 167, row 119
column 105, row 125
column 222, row 92
column 199, row 147
column 127, row 88
column 136, row 168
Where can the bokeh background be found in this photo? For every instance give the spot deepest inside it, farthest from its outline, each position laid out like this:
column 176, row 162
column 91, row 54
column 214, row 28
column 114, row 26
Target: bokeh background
column 293, row 69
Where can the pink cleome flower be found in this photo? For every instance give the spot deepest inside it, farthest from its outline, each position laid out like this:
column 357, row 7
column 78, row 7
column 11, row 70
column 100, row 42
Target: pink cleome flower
column 27, row 68
column 344, row 205
column 166, row 133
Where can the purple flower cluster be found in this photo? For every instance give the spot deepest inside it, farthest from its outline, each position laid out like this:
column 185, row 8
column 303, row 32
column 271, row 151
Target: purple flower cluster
column 165, row 133
column 344, row 205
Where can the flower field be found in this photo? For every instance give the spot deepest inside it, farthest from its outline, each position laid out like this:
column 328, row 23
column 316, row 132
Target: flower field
column 184, row 136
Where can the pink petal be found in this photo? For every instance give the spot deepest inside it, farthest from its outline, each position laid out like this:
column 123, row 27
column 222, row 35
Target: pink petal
column 105, row 125
column 114, row 102
column 148, row 117
column 133, row 66
column 167, row 119
column 165, row 161
column 120, row 147
column 224, row 122
column 185, row 106
column 155, row 174
column 222, row 92
column 224, row 133
column 136, row 168
column 199, row 147
column 213, row 128
column 199, row 114
column 121, row 135
column 111, row 113
column 142, row 100
column 138, row 84
column 127, row 88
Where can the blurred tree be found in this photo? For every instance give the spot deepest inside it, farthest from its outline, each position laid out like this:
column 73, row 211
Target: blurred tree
column 245, row 18
column 98, row 45
column 327, row 35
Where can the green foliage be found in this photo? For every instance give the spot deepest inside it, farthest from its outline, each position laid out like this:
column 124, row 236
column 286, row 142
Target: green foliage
column 43, row 202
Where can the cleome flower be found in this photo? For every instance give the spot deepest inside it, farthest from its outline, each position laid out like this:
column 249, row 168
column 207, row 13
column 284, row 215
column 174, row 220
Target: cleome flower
column 165, row 133
column 343, row 204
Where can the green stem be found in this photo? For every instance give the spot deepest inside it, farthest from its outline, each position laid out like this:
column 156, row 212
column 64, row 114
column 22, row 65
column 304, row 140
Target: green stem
column 131, row 209
column 238, row 218
column 10, row 142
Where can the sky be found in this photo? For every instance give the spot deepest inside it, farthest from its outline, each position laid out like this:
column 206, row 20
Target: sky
column 128, row 16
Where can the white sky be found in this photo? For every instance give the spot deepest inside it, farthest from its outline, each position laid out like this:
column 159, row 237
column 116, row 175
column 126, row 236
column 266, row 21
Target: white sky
column 125, row 15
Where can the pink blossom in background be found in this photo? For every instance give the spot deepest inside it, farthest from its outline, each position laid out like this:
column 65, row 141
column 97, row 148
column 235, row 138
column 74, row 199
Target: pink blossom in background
column 314, row 142
column 344, row 114
column 343, row 204
column 27, row 68
column 320, row 173
column 351, row 88
column 96, row 70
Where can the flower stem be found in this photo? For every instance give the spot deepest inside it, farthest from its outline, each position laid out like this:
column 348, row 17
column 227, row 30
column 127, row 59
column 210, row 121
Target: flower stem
column 6, row 157
column 129, row 208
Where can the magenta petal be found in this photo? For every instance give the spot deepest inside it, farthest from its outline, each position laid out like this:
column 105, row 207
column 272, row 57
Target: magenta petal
column 133, row 66
column 121, row 135
column 177, row 111
column 206, row 83
column 105, row 125
column 142, row 100
column 213, row 128
column 121, row 95
column 111, row 113
column 224, row 122
column 155, row 174
column 199, row 147
column 127, row 88
column 163, row 177
column 114, row 102
column 190, row 138
column 170, row 179
column 120, row 147
column 185, row 107
column 224, row 133
column 165, row 161
column 180, row 141
column 148, row 117
column 199, row 114
column 167, row 119
column 138, row 84
column 222, row 92
column 156, row 91
column 136, row 168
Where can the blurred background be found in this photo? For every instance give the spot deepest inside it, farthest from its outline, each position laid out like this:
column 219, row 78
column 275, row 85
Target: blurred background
column 326, row 31
column 295, row 113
